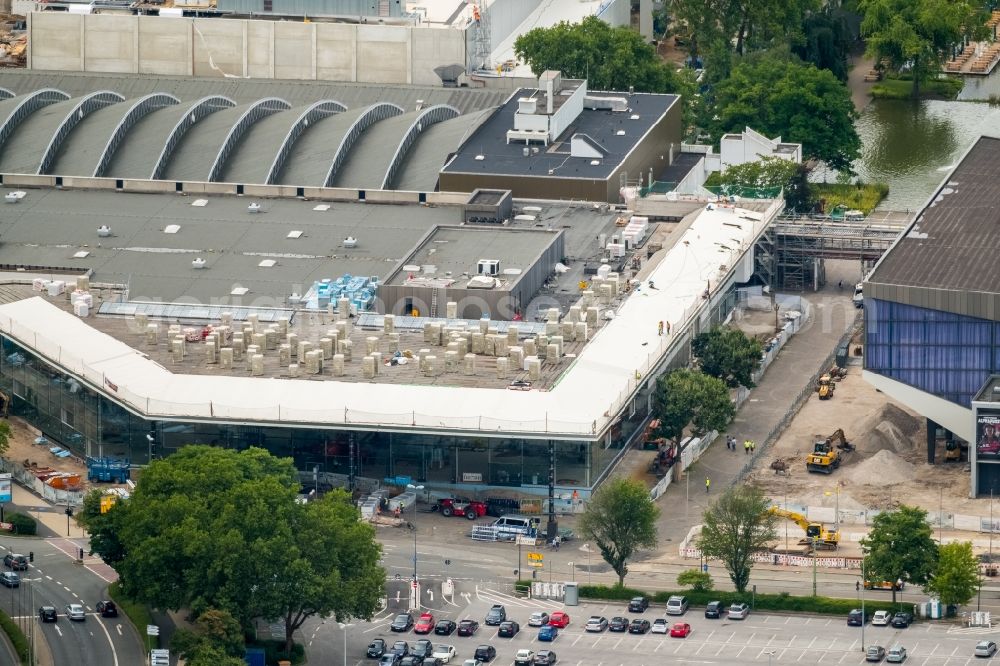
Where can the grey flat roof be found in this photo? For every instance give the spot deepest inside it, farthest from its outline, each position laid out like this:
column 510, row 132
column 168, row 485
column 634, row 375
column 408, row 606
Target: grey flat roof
column 23, row 151
column 425, row 159
column 490, row 140
column 456, row 251
column 370, row 156
column 680, row 167
column 954, row 242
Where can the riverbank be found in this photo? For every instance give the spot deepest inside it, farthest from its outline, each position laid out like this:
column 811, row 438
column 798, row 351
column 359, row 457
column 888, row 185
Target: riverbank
column 860, row 89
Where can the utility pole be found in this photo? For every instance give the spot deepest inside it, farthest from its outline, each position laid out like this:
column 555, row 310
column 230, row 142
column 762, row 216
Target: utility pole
column 814, row 566
column 863, row 601
column 552, row 529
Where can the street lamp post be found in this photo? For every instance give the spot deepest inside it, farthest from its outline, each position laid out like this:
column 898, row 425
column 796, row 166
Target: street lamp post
column 770, row 654
column 344, row 627
column 572, row 570
column 863, row 602
column 415, row 489
column 814, row 565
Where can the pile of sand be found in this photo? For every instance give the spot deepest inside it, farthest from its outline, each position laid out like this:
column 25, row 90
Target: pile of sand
column 885, row 468
column 891, row 429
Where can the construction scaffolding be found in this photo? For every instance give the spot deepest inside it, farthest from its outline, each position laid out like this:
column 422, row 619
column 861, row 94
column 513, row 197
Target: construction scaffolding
column 483, row 37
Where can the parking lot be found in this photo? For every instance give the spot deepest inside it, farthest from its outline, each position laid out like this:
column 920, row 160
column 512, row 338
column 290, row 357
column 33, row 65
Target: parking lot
column 760, row 638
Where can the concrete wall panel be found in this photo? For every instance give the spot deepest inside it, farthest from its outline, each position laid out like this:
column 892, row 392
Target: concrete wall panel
column 432, row 48
column 294, row 50
column 218, row 47
column 56, row 41
column 165, row 46
column 110, row 44
column 336, row 52
column 260, row 49
column 383, row 54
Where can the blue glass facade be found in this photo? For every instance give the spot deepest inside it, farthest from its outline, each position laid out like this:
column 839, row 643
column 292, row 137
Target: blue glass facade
column 945, row 354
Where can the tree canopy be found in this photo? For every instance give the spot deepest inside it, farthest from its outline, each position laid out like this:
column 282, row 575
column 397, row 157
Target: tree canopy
column 728, row 354
column 900, row 547
column 779, row 95
column 736, row 527
column 213, row 632
column 610, row 58
column 742, row 25
column 956, row 576
column 620, row 519
column 826, row 41
column 5, row 435
column 215, row 528
column 685, row 397
column 919, row 34
column 773, row 172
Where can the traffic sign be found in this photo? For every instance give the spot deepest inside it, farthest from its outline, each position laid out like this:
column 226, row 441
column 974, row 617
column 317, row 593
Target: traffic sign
column 535, row 557
column 537, row 565
column 152, row 630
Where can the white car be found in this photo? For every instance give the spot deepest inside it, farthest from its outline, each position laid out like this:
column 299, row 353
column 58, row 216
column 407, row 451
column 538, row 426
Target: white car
column 443, row 652
column 524, row 658
column 660, row 626
column 76, row 612
column 881, row 618
column 538, row 619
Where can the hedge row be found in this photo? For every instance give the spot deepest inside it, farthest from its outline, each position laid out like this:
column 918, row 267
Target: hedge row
column 772, row 602
column 16, row 636
column 23, row 524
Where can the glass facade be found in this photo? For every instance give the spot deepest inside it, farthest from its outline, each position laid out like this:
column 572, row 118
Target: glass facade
column 70, row 413
column 947, row 355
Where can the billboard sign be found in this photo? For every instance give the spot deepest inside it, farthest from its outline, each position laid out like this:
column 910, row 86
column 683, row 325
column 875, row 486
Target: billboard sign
column 5, row 488
column 988, row 436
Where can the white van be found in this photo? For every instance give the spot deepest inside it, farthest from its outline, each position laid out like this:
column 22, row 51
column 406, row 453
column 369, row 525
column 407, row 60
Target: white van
column 858, row 298
column 512, row 525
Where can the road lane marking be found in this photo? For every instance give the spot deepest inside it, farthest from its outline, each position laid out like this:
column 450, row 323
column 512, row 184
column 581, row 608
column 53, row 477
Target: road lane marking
column 58, row 630
column 119, row 628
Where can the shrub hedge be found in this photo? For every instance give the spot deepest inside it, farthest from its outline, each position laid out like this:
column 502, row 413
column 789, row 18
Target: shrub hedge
column 23, row 524
column 16, row 636
column 771, row 602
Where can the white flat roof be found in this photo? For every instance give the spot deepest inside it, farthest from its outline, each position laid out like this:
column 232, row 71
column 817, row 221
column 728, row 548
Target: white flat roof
column 582, row 403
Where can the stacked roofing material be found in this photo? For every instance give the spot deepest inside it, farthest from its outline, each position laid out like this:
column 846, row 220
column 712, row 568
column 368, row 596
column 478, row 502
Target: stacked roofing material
column 359, row 291
column 635, row 231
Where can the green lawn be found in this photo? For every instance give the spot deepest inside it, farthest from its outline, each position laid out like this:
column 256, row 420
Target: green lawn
column 943, row 88
column 852, row 196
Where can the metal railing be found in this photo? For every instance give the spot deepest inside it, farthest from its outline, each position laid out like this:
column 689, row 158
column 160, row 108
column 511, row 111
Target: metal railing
column 6, row 94
column 314, row 112
column 87, row 105
column 258, row 110
column 372, row 115
column 138, row 111
column 430, row 116
column 198, row 110
column 31, row 103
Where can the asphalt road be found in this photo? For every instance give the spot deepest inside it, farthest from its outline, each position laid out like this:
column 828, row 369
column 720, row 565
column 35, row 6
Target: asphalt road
column 55, row 579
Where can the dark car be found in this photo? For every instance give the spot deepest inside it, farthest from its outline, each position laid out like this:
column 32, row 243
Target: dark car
column 618, row 624
column 485, row 653
column 376, row 648
column 411, row 660
column 401, row 648
column 48, row 614
column 403, row 622
column 638, row 626
column 508, row 629
column 16, row 562
column 107, row 609
column 467, row 627
column 10, row 579
column 496, row 615
column 713, row 610
column 875, row 653
column 422, row 648
column 545, row 657
column 856, row 618
column 902, row 620
column 638, row 605
column 444, row 627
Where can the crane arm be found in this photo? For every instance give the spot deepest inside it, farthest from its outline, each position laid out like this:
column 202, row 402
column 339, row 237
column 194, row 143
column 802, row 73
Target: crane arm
column 796, row 518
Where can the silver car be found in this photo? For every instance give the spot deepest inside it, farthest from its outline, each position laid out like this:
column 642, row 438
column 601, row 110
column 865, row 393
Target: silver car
column 739, row 611
column 896, row 654
column 76, row 612
column 985, row 649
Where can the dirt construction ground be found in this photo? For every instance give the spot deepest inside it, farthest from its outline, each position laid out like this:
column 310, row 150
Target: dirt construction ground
column 888, row 468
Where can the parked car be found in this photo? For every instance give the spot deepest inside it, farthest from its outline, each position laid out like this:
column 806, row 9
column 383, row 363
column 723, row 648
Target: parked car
column 856, row 618
column 411, row 660
column 559, row 619
column 76, row 612
column 10, row 579
column 881, row 618
column 875, row 653
column 496, row 615
column 896, row 654
column 443, row 653
column 48, row 614
column 902, row 620
column 524, row 658
column 107, row 608
column 548, row 633
column 508, row 629
column 472, row 662
column 444, row 627
column 639, row 626
column 462, row 507
column 389, row 659
column 677, row 605
column 660, row 626
column 424, row 624
column 739, row 611
column 376, row 648
column 422, row 648
column 545, row 658
column 618, row 624
column 638, row 605
column 467, row 627
column 402, row 622
column 485, row 653
column 596, row 623
column 16, row 562
column 680, row 630
column 538, row 619
column 714, row 610
column 985, row 649
column 401, row 648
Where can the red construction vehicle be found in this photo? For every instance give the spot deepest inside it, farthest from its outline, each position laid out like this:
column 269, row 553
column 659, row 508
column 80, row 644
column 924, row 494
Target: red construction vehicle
column 461, row 507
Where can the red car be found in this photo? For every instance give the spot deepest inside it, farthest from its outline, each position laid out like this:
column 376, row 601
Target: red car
column 680, row 630
column 461, row 507
column 424, row 625
column 559, row 619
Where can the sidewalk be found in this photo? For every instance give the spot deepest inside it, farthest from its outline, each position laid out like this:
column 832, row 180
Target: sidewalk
column 683, row 503
column 860, row 89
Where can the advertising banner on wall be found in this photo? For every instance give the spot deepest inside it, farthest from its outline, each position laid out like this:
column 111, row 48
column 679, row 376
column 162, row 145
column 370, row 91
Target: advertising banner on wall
column 5, row 491
column 988, row 436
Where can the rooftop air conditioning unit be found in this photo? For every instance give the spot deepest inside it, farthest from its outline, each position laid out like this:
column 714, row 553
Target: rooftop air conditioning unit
column 488, row 267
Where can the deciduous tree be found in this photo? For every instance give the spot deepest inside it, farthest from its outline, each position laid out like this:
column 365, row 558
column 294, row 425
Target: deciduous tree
column 620, row 519
column 685, row 397
column 728, row 354
column 698, row 581
column 215, row 629
column 5, row 435
column 736, row 527
column 956, row 576
column 900, row 547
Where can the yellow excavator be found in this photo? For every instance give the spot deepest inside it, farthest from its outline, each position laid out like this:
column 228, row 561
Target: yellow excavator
column 825, row 539
column 825, row 387
column 825, row 457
